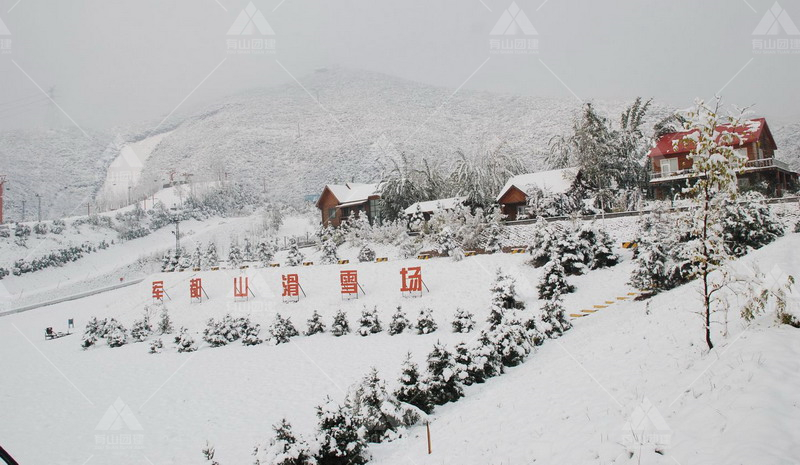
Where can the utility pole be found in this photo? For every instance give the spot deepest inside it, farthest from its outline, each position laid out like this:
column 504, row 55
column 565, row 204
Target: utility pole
column 129, row 195
column 39, row 207
column 177, row 233
column 23, row 211
column 2, row 184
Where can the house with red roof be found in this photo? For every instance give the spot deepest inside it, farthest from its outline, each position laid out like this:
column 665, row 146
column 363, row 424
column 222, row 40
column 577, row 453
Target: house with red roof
column 672, row 167
column 341, row 201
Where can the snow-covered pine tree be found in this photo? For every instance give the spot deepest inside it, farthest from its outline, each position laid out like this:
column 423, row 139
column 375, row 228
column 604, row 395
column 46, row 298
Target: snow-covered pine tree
column 369, row 323
column 379, row 412
column 294, row 257
column 572, row 254
column 468, row 371
column 328, row 248
column 247, row 251
column 446, row 244
column 485, row 356
column 315, row 324
column 210, row 258
column 495, row 231
column 443, row 383
column 543, row 240
column 164, row 321
column 553, row 281
column 660, row 258
column 265, row 251
column 156, row 346
column 413, row 389
column 284, row 448
column 185, row 341
column 748, row 223
column 185, row 261
column 463, row 321
column 196, row 261
column 340, row 325
column 142, row 329
column 554, row 318
column 116, row 334
column 281, row 330
column 417, row 220
column 235, row 256
column 166, row 261
column 598, row 245
column 715, row 162
column 425, row 322
column 366, row 254
column 251, row 334
column 504, row 292
column 399, row 322
column 340, row 437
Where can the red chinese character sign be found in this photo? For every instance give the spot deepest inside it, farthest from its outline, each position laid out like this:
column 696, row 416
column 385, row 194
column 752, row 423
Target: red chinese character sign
column 196, row 290
column 412, row 281
column 348, row 279
column 291, row 287
column 241, row 288
column 158, row 291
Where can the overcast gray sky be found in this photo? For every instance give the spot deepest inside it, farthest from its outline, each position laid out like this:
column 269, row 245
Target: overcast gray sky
column 119, row 61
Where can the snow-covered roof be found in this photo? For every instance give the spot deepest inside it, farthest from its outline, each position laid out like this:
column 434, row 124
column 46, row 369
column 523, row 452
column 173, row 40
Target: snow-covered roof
column 353, row 193
column 431, row 206
column 554, row 181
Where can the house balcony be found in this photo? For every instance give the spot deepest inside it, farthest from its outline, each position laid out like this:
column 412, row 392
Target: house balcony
column 750, row 165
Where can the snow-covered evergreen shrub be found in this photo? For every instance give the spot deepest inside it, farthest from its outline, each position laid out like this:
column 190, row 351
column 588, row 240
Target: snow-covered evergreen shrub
column 504, row 292
column 281, row 330
column 378, row 411
column 284, row 448
column 315, row 324
column 661, row 258
column 235, row 256
column 156, row 346
column 294, row 257
column 230, row 329
column 185, row 341
column 57, row 227
column 597, row 245
column 366, row 254
column 164, row 322
column 463, row 321
column 553, row 281
column 748, row 223
column 511, row 340
column 797, row 227
column 495, row 231
column 485, row 357
column 341, row 439
column 412, row 387
column 166, row 261
column 40, row 228
column 468, row 371
column 210, row 258
column 425, row 322
column 443, row 383
column 554, row 318
column 95, row 329
column 340, row 325
column 116, row 335
column 572, row 253
column 22, row 230
column 446, row 244
column 330, row 255
column 369, row 323
column 247, row 251
column 399, row 322
column 543, row 241
column 251, row 333
column 142, row 329
column 196, row 259
column 265, row 251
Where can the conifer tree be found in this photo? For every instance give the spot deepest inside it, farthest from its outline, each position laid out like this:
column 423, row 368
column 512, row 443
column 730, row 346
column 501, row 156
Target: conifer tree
column 294, row 257
column 315, row 324
column 284, row 448
column 340, row 437
column 413, row 390
column 399, row 322
column 443, row 382
column 340, row 325
column 553, row 281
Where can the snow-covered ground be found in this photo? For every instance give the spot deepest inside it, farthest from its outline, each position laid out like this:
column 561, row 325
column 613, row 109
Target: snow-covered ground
column 567, row 404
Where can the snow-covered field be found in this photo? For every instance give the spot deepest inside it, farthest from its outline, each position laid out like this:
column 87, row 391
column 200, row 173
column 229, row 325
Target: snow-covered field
column 567, row 404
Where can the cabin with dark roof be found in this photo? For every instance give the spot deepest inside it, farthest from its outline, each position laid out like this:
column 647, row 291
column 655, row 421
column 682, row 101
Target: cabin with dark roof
column 341, row 201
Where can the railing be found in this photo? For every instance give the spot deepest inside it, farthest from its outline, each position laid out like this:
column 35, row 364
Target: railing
column 750, row 164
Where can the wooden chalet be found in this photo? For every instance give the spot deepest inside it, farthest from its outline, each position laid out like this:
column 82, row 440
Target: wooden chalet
column 672, row 168
column 513, row 198
column 341, row 201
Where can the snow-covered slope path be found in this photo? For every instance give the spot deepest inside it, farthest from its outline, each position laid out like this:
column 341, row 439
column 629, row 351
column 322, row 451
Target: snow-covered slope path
column 570, row 402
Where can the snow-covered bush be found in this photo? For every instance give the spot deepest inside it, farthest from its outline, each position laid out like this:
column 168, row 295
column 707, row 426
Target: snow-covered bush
column 22, row 231
column 425, row 322
column 247, row 251
column 281, row 330
column 410, row 247
column 156, row 346
column 265, row 251
column 554, row 318
column 142, row 329
column 341, row 439
column 412, row 387
column 284, row 448
column 235, row 256
column 366, row 254
column 463, row 321
column 340, row 325
column 369, row 323
column 485, row 357
column 185, row 341
column 748, row 223
column 443, row 383
column 40, row 228
column 504, row 292
column 117, row 335
column 294, row 257
column 315, row 324
column 164, row 322
column 661, row 258
column 446, row 244
column 597, row 245
column 510, row 340
column 495, row 231
column 469, row 372
column 329, row 248
column 109, row 329
column 251, row 334
column 210, row 258
column 57, row 227
column 378, row 411
column 553, row 281
column 399, row 322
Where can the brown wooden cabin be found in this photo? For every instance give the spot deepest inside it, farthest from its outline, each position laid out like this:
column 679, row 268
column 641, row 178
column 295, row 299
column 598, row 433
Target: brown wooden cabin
column 513, row 198
column 341, row 201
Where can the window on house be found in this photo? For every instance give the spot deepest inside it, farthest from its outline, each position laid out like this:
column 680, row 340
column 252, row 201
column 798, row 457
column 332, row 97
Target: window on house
column 331, row 213
column 669, row 165
column 374, row 211
column 521, row 210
